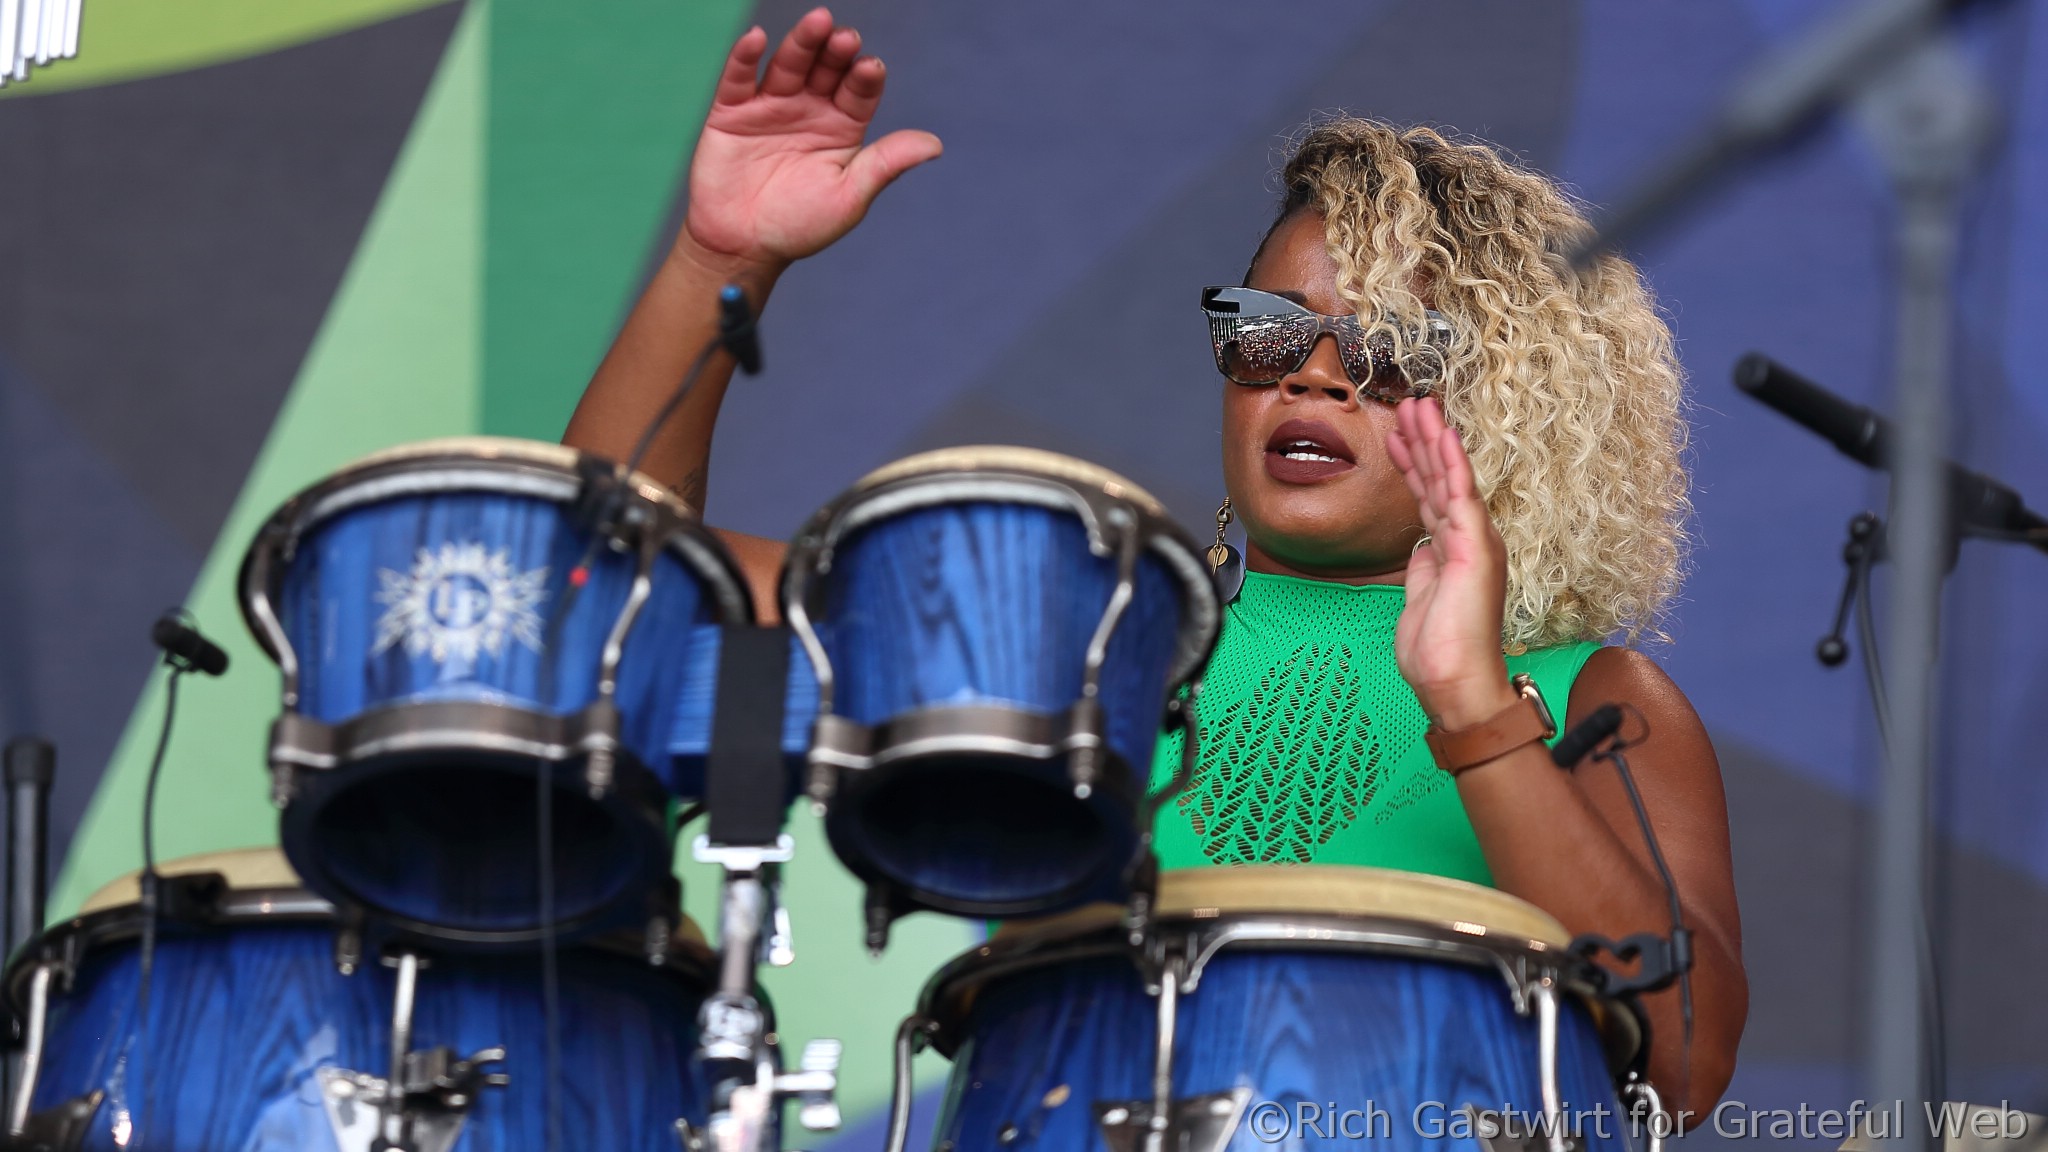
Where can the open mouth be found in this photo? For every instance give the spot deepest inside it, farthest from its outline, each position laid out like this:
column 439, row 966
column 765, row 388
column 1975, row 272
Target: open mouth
column 1305, row 451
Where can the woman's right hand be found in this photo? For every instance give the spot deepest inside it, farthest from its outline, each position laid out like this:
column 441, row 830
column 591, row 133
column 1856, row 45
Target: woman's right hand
column 779, row 172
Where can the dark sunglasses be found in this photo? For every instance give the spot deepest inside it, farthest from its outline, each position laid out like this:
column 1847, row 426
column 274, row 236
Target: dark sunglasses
column 1261, row 338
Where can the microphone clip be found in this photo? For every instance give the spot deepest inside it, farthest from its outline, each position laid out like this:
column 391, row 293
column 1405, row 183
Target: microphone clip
column 1660, row 960
column 185, row 648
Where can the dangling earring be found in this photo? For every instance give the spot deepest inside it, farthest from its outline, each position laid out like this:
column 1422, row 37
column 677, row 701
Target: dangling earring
column 1226, row 563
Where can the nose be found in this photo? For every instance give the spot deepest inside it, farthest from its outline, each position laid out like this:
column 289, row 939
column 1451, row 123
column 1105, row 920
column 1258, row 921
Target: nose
column 1322, row 374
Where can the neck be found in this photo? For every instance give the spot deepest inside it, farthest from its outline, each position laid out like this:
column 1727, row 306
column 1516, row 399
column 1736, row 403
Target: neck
column 1257, row 559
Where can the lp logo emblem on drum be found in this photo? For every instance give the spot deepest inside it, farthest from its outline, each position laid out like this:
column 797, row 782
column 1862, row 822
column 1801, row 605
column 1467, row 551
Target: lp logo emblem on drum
column 457, row 603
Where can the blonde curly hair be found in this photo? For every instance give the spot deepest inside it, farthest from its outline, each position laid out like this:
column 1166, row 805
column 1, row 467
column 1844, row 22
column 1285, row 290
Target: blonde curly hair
column 1563, row 383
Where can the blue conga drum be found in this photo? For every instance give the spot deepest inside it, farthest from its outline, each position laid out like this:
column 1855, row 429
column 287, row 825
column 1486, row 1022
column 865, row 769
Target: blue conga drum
column 465, row 627
column 1291, row 1007
column 253, row 1041
column 995, row 633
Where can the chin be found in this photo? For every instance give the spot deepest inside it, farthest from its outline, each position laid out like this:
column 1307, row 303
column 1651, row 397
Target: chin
column 1321, row 532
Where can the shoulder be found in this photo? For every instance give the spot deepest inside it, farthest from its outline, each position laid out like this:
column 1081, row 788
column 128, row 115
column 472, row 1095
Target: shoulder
column 760, row 560
column 1617, row 675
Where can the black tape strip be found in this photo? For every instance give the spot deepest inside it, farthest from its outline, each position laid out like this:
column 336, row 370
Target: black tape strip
column 746, row 784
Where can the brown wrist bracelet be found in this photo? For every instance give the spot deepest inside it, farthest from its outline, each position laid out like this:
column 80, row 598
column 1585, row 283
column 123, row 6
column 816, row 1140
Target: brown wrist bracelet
column 1525, row 721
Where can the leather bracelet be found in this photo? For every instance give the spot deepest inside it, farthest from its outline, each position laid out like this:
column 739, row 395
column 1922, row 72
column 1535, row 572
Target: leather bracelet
column 1526, row 721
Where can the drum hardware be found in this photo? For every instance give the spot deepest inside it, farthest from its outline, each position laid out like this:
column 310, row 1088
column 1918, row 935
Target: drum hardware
column 61, row 1128
column 1141, row 880
column 421, row 1105
column 734, row 1042
column 912, row 1037
column 1543, row 992
column 31, row 766
column 1646, row 1105
column 1203, row 1123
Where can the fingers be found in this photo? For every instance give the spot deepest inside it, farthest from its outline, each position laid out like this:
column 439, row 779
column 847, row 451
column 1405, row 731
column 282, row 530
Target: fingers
column 874, row 167
column 742, row 64
column 840, row 51
column 862, row 89
column 1432, row 459
column 798, row 52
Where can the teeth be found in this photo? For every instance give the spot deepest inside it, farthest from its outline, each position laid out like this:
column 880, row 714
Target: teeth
column 1306, row 450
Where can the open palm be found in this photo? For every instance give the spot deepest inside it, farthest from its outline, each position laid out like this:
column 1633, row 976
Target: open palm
column 1447, row 642
column 780, row 171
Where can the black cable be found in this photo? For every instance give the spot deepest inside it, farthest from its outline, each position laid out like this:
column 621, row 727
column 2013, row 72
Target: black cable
column 150, row 881
column 544, row 798
column 550, row 974
column 1681, row 937
column 1866, row 635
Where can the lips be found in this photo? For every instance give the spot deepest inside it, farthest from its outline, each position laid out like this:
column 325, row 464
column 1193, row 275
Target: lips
column 1307, row 451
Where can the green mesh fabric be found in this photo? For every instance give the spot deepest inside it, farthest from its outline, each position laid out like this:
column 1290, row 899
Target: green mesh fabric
column 1311, row 743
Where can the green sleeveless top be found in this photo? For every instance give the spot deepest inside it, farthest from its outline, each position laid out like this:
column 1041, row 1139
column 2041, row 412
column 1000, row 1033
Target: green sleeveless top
column 1311, row 745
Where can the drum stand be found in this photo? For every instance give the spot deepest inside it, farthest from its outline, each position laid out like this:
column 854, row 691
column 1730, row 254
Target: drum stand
column 734, row 1041
column 745, row 793
column 1164, row 1123
column 421, row 1105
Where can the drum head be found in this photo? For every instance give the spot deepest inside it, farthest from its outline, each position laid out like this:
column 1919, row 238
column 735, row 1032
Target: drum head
column 1294, row 908
column 257, row 887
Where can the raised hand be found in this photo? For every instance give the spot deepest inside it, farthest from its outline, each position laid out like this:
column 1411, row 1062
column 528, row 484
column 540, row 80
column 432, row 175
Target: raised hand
column 780, row 171
column 1447, row 643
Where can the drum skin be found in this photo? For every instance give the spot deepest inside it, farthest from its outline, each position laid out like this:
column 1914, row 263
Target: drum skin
column 1345, row 1029
column 448, row 596
column 240, row 1020
column 979, row 603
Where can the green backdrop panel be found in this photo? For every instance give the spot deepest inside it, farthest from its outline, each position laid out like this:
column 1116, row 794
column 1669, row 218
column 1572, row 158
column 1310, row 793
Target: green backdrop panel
column 395, row 360
column 594, row 108
column 130, row 39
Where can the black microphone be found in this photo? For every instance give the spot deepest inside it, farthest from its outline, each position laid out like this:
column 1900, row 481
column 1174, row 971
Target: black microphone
column 1586, row 735
column 1864, row 436
column 185, row 647
column 736, row 329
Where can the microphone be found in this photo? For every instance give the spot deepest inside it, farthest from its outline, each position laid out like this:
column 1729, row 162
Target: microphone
column 1586, row 735
column 185, row 648
column 736, row 329
column 1977, row 500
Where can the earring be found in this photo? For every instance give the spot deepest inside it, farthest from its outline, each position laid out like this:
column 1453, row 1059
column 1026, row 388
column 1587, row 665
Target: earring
column 1226, row 564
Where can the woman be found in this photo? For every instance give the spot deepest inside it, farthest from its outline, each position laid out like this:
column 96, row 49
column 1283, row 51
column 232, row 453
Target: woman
column 1404, row 555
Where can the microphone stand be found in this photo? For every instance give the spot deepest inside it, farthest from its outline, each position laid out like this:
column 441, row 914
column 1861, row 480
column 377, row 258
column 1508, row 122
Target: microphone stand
column 1931, row 121
column 30, row 767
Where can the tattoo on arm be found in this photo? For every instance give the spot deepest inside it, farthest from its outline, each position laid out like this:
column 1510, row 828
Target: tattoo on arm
column 692, row 489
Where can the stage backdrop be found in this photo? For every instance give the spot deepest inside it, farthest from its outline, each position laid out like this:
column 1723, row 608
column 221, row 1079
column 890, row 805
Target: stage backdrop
column 245, row 242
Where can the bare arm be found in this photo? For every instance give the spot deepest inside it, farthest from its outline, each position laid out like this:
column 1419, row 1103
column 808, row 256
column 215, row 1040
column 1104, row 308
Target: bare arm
column 780, row 172
column 1568, row 842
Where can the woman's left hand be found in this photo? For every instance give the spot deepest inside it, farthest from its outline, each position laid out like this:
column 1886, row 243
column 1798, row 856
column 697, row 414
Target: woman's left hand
column 1447, row 643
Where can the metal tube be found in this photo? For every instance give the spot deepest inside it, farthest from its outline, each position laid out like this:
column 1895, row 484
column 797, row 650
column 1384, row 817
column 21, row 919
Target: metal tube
column 907, row 1034
column 1162, row 1055
column 1930, row 121
column 401, row 1016
column 1543, row 991
column 31, row 765
column 31, row 1050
